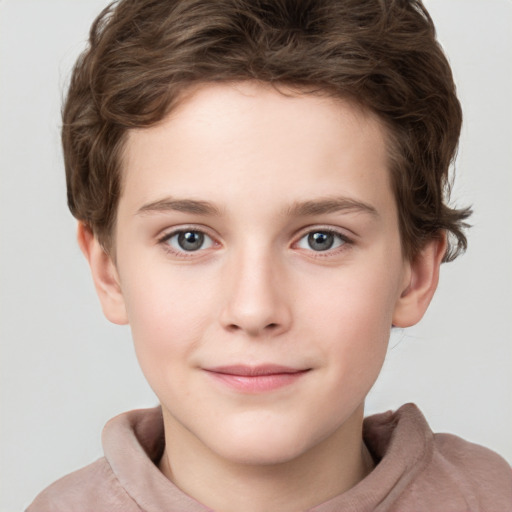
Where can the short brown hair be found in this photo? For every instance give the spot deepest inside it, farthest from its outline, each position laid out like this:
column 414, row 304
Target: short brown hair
column 382, row 54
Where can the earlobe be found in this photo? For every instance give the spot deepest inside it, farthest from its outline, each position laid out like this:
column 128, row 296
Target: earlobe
column 104, row 274
column 421, row 283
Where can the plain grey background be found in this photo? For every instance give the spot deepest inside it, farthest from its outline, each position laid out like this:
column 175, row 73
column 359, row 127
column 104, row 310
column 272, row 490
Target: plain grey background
column 65, row 370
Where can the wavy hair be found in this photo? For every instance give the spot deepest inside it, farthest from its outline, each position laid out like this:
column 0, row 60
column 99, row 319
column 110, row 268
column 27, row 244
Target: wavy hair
column 382, row 54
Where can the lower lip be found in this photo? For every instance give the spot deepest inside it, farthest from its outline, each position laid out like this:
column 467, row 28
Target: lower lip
column 257, row 383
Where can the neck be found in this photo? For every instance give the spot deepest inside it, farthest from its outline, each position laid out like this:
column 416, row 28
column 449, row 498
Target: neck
column 330, row 468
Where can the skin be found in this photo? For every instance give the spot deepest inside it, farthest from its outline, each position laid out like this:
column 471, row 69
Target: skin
column 273, row 169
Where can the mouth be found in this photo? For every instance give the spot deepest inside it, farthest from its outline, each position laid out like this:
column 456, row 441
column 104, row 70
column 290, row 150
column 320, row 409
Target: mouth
column 256, row 379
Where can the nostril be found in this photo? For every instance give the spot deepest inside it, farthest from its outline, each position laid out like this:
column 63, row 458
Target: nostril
column 269, row 327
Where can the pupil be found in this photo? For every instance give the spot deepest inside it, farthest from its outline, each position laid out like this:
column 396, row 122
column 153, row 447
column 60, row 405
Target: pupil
column 190, row 240
column 320, row 241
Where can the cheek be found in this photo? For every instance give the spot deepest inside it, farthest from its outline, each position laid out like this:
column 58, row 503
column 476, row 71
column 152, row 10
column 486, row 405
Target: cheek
column 359, row 300
column 167, row 316
column 353, row 319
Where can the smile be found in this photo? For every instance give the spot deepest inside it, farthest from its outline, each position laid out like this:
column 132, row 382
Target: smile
column 256, row 379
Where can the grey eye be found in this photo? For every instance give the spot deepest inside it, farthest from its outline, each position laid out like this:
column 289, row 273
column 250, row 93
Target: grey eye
column 321, row 241
column 189, row 241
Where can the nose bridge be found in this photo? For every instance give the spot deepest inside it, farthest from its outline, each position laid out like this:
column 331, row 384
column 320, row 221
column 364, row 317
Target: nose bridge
column 256, row 300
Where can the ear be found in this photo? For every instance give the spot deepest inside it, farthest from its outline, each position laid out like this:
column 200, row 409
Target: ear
column 104, row 275
column 421, row 283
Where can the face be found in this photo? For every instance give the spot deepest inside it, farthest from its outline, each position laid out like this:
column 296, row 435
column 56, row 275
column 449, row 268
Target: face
column 259, row 263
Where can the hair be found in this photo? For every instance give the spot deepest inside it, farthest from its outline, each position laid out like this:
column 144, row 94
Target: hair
column 381, row 54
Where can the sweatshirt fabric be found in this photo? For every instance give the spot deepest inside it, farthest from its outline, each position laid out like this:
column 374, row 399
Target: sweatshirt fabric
column 416, row 471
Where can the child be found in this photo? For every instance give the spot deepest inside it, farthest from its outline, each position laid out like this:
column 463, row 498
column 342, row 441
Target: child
column 260, row 189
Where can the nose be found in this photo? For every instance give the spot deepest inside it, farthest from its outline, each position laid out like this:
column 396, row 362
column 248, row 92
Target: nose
column 256, row 297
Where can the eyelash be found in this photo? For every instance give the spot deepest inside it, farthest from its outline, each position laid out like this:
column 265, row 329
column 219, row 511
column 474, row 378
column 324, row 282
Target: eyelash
column 346, row 242
column 164, row 241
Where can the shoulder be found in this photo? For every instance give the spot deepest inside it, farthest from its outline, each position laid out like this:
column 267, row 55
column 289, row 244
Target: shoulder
column 478, row 473
column 423, row 471
column 94, row 487
column 117, row 482
column 459, row 474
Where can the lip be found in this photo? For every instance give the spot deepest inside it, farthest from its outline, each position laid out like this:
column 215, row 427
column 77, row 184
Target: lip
column 256, row 379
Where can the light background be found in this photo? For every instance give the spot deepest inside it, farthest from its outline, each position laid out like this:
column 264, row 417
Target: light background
column 65, row 370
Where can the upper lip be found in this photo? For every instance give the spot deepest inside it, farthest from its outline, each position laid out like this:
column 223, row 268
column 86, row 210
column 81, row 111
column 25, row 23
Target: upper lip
column 255, row 370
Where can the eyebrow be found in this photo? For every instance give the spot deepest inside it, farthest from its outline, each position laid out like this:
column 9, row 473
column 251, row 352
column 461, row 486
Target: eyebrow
column 329, row 205
column 297, row 209
column 179, row 205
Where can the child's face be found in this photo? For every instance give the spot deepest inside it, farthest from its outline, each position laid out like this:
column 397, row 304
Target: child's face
column 256, row 229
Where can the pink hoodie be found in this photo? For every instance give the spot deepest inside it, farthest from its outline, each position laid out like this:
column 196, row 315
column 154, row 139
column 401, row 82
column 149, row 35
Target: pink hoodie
column 416, row 471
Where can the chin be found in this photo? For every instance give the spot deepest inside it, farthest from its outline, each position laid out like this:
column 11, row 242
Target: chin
column 259, row 455
column 264, row 446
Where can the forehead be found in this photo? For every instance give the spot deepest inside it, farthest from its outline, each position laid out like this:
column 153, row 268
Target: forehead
column 251, row 140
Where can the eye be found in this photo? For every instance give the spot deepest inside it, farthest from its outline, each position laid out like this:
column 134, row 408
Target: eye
column 188, row 240
column 321, row 240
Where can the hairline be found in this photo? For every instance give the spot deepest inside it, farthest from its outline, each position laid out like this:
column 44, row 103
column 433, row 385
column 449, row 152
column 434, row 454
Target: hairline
column 188, row 90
